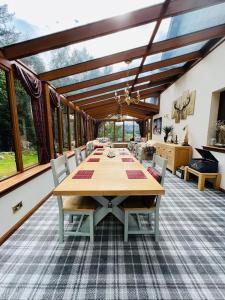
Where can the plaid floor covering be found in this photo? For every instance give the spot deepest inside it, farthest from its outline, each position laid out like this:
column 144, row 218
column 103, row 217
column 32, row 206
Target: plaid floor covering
column 187, row 263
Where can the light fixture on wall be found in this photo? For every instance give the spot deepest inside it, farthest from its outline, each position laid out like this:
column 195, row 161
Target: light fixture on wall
column 125, row 98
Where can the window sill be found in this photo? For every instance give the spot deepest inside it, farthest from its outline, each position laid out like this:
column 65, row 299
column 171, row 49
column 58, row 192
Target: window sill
column 17, row 180
column 214, row 148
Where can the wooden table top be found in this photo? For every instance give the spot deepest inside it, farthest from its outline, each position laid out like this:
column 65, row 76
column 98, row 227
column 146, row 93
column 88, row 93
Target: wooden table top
column 109, row 178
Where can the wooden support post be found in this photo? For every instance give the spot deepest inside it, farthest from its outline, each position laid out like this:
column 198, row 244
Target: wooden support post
column 69, row 129
column 123, row 131
column 15, row 122
column 59, row 113
column 48, row 118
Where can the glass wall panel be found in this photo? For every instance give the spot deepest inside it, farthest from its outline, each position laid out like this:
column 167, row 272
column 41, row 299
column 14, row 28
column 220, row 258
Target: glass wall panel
column 72, row 130
column 101, row 130
column 65, row 129
column 119, row 131
column 55, row 125
column 109, row 130
column 128, row 130
column 28, row 136
column 7, row 155
column 136, row 130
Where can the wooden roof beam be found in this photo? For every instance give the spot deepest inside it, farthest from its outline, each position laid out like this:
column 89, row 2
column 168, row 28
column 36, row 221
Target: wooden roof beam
column 140, row 106
column 152, row 37
column 165, row 45
column 117, row 75
column 154, row 77
column 101, row 28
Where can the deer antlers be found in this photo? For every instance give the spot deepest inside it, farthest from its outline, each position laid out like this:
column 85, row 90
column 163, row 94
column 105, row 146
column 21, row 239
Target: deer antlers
column 182, row 108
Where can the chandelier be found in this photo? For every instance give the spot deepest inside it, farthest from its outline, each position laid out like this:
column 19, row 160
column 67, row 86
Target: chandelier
column 125, row 98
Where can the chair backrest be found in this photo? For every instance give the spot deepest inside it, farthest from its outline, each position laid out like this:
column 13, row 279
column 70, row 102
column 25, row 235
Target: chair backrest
column 139, row 155
column 60, row 168
column 78, row 156
column 89, row 148
column 160, row 164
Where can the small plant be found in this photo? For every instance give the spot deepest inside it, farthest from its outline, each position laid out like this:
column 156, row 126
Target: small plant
column 167, row 130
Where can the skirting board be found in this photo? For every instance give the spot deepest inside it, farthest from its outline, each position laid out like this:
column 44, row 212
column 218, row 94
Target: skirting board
column 23, row 219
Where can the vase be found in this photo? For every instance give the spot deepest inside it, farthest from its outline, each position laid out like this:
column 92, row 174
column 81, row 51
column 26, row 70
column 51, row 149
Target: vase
column 165, row 138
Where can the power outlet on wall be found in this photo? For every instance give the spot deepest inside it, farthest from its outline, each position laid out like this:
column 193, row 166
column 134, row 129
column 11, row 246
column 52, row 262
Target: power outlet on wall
column 17, row 207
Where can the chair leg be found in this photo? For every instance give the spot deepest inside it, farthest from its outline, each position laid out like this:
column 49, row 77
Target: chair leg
column 91, row 228
column 70, row 218
column 61, row 227
column 150, row 219
column 156, row 229
column 126, row 227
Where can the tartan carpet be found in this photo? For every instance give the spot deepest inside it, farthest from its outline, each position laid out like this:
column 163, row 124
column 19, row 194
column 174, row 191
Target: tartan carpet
column 188, row 262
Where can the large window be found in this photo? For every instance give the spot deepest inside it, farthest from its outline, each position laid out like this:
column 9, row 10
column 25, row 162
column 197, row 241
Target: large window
column 128, row 130
column 101, row 130
column 28, row 136
column 136, row 130
column 109, row 130
column 7, row 155
column 72, row 130
column 65, row 129
column 55, row 125
column 119, row 131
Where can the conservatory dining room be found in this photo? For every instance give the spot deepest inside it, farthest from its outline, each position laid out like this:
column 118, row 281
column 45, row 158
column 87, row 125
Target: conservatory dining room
column 112, row 149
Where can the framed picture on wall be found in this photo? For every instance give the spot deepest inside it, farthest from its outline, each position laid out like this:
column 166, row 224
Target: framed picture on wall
column 157, row 126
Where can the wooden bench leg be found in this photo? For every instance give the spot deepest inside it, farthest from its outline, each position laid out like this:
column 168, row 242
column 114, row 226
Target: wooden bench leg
column 216, row 182
column 186, row 174
column 201, row 182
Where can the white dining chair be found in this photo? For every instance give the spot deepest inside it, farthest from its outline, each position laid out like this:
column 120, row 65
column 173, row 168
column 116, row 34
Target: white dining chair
column 80, row 206
column 89, row 148
column 136, row 206
column 78, row 156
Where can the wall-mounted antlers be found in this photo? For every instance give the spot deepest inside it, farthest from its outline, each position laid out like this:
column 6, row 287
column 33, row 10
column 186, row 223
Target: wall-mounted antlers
column 183, row 106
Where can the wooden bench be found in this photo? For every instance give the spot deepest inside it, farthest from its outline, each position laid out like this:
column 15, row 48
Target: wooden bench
column 202, row 177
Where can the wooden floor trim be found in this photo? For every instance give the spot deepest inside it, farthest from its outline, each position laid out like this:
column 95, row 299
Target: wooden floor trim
column 23, row 219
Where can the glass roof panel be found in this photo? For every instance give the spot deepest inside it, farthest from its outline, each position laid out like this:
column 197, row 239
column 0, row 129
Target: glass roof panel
column 94, row 87
column 173, row 53
column 95, row 48
column 191, row 22
column 95, row 73
column 30, row 20
column 161, row 70
column 106, row 94
column 123, row 66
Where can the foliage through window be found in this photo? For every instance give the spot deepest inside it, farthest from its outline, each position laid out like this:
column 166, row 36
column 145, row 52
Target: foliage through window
column 7, row 154
column 28, row 137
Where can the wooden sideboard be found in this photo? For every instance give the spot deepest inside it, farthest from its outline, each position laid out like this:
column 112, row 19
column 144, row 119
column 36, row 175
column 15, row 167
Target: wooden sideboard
column 176, row 155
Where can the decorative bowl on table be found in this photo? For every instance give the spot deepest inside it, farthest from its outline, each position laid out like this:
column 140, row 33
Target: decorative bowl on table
column 111, row 154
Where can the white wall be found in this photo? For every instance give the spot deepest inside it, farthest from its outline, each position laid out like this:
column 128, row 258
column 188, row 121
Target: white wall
column 31, row 193
column 207, row 78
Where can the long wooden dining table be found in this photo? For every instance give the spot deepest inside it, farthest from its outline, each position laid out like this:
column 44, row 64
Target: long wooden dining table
column 109, row 179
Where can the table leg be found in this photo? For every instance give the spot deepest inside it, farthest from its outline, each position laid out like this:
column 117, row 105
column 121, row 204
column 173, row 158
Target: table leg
column 109, row 206
column 201, row 182
column 216, row 182
column 186, row 174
